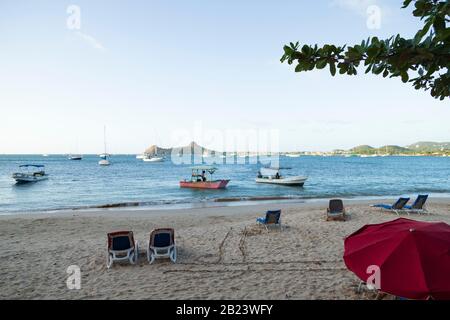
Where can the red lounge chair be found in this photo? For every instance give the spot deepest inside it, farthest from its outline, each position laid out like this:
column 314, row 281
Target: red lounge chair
column 162, row 245
column 122, row 247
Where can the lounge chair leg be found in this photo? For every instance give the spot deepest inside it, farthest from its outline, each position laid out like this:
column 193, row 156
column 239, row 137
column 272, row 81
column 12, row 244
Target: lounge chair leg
column 109, row 261
column 150, row 256
column 173, row 255
column 359, row 287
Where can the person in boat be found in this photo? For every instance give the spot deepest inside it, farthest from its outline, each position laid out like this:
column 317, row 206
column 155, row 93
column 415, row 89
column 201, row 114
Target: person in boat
column 277, row 176
column 203, row 176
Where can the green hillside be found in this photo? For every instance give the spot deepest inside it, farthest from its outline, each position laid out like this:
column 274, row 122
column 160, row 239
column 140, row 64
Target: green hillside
column 364, row 149
column 429, row 147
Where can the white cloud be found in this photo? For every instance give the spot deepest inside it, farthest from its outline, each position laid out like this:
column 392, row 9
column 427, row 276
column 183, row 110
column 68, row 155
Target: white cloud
column 90, row 40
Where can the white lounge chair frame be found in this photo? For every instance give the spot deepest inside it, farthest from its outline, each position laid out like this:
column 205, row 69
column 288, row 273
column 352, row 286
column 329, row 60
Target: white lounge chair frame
column 154, row 253
column 131, row 255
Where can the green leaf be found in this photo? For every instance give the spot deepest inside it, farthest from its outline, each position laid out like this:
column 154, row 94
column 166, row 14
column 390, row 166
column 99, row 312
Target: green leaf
column 321, row 63
column 333, row 68
column 405, row 76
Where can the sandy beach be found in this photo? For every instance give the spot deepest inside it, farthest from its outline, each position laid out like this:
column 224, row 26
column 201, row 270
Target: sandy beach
column 222, row 253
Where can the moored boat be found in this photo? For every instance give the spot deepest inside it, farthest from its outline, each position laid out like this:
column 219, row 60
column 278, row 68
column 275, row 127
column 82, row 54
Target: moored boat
column 104, row 156
column 153, row 159
column 75, row 157
column 200, row 181
column 272, row 176
column 28, row 175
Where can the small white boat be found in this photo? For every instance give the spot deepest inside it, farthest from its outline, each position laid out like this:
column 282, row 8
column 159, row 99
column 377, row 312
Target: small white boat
column 75, row 157
column 104, row 162
column 292, row 155
column 272, row 176
column 140, row 156
column 153, row 159
column 27, row 175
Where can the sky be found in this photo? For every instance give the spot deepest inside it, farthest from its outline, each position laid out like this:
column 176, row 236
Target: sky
column 169, row 72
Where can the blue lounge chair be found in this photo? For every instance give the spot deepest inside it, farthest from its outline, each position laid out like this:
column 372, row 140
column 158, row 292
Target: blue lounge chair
column 122, row 247
column 396, row 207
column 271, row 218
column 162, row 245
column 336, row 210
column 419, row 205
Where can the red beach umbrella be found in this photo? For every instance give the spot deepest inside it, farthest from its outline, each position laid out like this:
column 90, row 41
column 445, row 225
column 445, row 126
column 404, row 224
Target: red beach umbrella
column 411, row 258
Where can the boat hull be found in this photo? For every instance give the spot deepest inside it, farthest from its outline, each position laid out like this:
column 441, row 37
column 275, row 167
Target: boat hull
column 298, row 181
column 155, row 159
column 217, row 184
column 25, row 178
column 104, row 162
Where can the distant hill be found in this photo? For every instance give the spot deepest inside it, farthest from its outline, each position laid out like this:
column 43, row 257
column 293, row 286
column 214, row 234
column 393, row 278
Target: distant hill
column 429, row 147
column 364, row 149
column 393, row 150
column 192, row 148
column 415, row 148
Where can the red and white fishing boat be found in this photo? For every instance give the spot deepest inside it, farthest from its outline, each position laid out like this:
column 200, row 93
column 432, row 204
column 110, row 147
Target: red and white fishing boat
column 200, row 181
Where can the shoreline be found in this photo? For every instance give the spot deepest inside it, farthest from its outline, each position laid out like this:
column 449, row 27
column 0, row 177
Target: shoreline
column 206, row 208
column 211, row 203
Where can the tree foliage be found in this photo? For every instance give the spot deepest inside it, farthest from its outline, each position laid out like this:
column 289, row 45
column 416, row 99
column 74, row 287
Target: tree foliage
column 423, row 61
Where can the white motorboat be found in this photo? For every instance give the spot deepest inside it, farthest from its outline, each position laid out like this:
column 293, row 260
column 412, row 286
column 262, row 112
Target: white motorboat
column 292, row 155
column 140, row 156
column 273, row 176
column 28, row 175
column 153, row 159
column 75, row 157
column 104, row 156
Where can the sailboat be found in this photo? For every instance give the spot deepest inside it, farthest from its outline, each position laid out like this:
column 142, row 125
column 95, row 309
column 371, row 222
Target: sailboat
column 104, row 156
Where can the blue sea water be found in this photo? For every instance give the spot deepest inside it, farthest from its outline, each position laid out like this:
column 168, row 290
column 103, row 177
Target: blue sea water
column 75, row 184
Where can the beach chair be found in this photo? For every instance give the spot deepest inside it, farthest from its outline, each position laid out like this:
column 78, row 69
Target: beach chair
column 122, row 247
column 336, row 210
column 397, row 207
column 418, row 206
column 162, row 245
column 271, row 218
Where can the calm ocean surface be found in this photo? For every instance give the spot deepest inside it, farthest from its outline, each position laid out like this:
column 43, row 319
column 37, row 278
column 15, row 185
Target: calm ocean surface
column 74, row 184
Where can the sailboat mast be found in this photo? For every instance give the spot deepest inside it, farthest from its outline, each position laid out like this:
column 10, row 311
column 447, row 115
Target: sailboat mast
column 104, row 138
